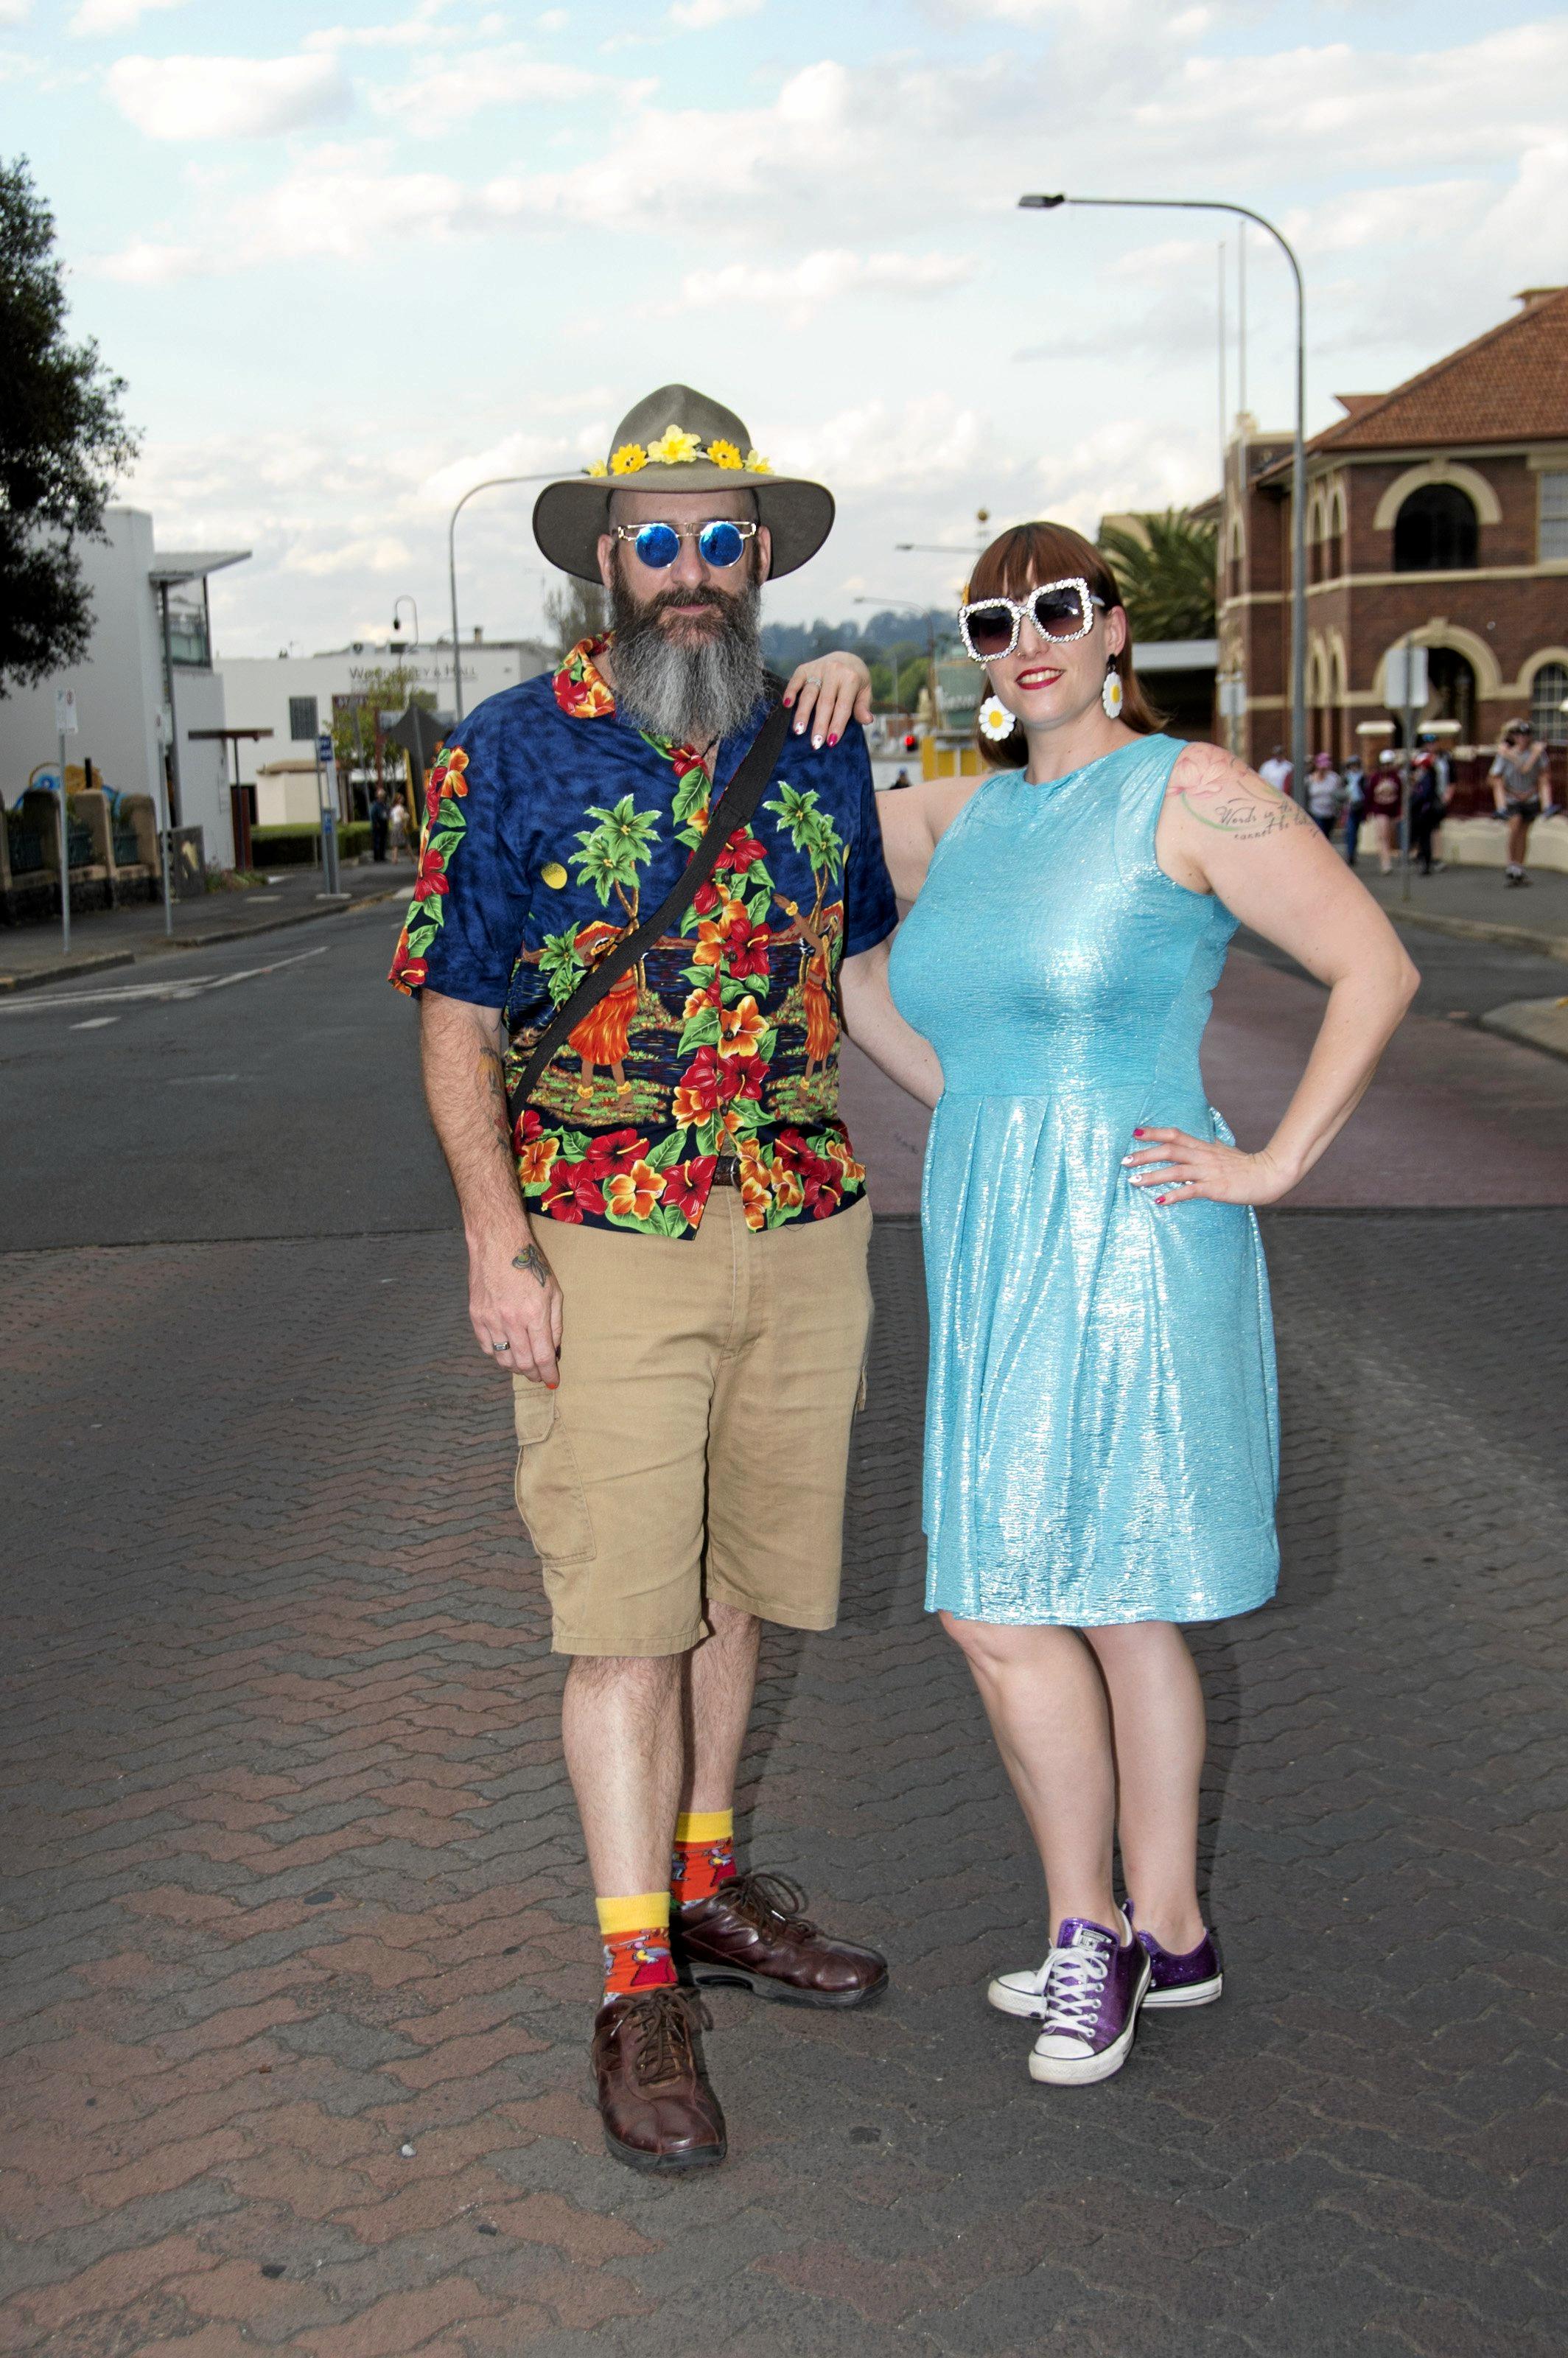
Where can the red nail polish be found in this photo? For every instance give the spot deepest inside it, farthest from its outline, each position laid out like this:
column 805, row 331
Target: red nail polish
column 1159, row 1199
column 1138, row 1133
column 833, row 740
column 787, row 702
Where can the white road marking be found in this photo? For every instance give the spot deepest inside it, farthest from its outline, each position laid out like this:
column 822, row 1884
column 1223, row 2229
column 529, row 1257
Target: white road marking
column 96, row 1022
column 183, row 985
column 189, row 1080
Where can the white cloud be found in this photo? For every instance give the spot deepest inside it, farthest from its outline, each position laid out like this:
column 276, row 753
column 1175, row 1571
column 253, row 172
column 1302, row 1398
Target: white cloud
column 144, row 264
column 408, row 33
column 819, row 281
column 380, row 553
column 226, row 98
column 15, row 12
column 696, row 15
column 438, row 94
column 116, row 15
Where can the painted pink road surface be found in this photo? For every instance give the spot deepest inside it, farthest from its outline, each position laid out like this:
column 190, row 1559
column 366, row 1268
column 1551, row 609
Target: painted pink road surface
column 1455, row 1115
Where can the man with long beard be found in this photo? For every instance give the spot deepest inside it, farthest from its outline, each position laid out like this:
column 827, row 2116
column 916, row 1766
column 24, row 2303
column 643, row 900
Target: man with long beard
column 667, row 1230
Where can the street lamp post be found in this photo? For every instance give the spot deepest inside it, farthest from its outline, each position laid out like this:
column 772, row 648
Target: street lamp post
column 490, row 483
column 407, row 600
column 1298, row 447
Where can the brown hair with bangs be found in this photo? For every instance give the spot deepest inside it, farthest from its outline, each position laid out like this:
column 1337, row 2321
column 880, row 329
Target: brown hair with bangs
column 1019, row 560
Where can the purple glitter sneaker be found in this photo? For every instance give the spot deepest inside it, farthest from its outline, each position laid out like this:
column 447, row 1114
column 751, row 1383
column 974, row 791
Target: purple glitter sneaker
column 1193, row 1979
column 1091, row 1988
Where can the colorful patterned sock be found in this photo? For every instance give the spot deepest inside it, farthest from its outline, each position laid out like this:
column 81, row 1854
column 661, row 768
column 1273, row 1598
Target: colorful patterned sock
column 636, row 1937
column 704, row 1855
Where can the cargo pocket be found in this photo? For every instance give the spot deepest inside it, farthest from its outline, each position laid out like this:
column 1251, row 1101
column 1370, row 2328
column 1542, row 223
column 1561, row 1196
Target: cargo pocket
column 548, row 1485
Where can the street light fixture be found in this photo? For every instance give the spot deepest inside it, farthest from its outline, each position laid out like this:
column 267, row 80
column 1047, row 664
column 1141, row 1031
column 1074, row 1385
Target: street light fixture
column 490, row 483
column 407, row 600
column 1298, row 446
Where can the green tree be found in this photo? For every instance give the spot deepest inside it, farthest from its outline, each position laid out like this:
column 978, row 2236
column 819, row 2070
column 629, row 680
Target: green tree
column 1165, row 569
column 62, row 443
column 359, row 743
column 580, row 609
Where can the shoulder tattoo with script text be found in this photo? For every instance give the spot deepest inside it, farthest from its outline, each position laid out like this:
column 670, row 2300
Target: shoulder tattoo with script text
column 1222, row 793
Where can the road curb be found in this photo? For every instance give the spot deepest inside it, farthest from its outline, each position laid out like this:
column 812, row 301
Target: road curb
column 65, row 969
column 1482, row 929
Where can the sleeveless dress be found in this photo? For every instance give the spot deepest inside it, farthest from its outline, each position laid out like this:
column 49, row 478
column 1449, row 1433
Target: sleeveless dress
column 1102, row 1432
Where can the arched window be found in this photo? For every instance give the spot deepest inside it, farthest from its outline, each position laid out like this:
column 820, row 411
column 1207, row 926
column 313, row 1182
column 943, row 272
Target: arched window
column 1548, row 694
column 1435, row 531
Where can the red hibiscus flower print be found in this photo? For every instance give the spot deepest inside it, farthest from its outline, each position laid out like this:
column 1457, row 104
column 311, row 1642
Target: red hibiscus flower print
column 687, row 1186
column 574, row 1193
column 707, row 898
column 407, row 973
column 432, row 876
column 741, row 851
column 612, row 1150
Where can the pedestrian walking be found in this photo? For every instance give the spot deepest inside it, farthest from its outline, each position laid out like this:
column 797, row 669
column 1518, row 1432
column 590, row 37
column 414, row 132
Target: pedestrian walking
column 1277, row 772
column 1427, row 804
column 648, row 909
column 1520, row 779
column 1355, row 806
column 380, row 816
column 1325, row 792
column 1385, row 796
column 397, row 827
column 1102, row 1432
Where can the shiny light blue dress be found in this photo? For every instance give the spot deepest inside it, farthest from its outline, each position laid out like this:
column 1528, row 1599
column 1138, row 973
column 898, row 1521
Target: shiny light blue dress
column 1102, row 1436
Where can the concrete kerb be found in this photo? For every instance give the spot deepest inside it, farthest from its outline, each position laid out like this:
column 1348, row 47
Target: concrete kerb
column 1482, row 929
column 65, row 970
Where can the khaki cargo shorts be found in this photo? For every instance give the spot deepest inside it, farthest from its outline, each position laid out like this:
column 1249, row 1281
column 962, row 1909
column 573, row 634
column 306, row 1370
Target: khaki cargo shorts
column 697, row 1444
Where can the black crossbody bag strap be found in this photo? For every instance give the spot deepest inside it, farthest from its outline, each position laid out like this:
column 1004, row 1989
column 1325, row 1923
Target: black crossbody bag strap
column 733, row 809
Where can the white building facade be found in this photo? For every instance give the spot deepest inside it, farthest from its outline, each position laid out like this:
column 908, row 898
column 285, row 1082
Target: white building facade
column 124, row 688
column 295, row 696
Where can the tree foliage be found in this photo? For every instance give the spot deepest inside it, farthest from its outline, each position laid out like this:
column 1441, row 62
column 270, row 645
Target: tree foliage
column 63, row 440
column 577, row 610
column 359, row 742
column 1166, row 573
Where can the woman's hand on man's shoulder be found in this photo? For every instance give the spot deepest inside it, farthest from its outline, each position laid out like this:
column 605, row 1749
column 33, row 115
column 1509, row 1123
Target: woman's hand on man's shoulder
column 825, row 693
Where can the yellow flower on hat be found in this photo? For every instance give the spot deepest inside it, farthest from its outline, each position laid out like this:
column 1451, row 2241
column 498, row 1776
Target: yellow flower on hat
column 628, row 459
column 757, row 465
column 675, row 447
column 724, row 454
column 596, row 466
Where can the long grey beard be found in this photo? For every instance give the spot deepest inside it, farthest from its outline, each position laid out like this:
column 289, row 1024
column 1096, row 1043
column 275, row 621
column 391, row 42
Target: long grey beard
column 694, row 692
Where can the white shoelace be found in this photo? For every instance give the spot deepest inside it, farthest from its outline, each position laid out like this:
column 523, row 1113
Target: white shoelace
column 1073, row 1981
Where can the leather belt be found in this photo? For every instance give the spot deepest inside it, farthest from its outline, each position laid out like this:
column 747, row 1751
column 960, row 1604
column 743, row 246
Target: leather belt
column 727, row 1171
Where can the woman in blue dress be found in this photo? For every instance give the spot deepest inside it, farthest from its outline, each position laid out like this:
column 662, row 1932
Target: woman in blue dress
column 1102, row 1441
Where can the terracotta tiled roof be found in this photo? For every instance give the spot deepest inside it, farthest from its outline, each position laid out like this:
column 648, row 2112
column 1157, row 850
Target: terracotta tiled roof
column 1509, row 386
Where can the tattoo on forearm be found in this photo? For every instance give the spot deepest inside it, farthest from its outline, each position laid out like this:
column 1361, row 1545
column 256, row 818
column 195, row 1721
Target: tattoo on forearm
column 1224, row 793
column 533, row 1261
column 492, row 1083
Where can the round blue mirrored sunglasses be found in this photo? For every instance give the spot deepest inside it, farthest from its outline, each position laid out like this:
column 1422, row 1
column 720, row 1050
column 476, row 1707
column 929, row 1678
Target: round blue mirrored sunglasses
column 719, row 544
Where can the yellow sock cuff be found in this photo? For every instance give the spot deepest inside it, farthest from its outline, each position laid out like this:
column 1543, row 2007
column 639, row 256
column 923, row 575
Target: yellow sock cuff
column 644, row 1911
column 705, row 1825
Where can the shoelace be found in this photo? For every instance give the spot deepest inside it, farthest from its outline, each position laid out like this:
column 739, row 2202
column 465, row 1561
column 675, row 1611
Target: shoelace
column 1075, row 1979
column 765, row 1901
column 667, row 2020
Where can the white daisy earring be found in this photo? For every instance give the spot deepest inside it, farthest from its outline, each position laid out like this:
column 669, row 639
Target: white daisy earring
column 1110, row 694
column 995, row 720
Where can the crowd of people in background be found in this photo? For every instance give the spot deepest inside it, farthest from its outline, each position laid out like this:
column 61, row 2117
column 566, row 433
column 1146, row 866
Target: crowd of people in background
column 1344, row 800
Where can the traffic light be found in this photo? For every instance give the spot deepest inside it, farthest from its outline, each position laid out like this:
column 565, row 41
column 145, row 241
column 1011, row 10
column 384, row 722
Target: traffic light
column 911, row 743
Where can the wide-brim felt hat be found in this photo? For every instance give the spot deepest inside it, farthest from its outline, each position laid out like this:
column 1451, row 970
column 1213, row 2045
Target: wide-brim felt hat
column 678, row 441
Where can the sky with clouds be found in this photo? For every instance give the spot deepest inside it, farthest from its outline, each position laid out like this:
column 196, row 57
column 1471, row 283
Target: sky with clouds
column 349, row 268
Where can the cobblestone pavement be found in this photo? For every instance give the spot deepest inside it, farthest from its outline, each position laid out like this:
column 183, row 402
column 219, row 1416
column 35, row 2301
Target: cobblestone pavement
column 297, row 1948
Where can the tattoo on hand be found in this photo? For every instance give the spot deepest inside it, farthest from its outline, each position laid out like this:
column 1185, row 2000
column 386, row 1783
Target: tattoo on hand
column 1223, row 793
column 533, row 1261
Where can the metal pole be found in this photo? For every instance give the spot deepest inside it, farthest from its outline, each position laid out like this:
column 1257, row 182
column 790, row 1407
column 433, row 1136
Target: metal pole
column 1241, row 317
column 64, row 852
column 490, row 483
column 1298, row 447
column 1406, row 781
column 170, row 754
column 1223, row 413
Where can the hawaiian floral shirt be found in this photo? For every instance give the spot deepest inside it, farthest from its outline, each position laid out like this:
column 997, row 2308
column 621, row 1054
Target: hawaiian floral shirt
column 550, row 823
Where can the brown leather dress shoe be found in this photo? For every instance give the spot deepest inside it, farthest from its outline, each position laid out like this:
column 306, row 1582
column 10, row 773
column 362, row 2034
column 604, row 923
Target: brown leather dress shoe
column 659, row 2111
column 754, row 1930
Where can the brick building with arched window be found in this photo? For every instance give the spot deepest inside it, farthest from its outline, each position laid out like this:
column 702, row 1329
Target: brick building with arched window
column 1438, row 513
